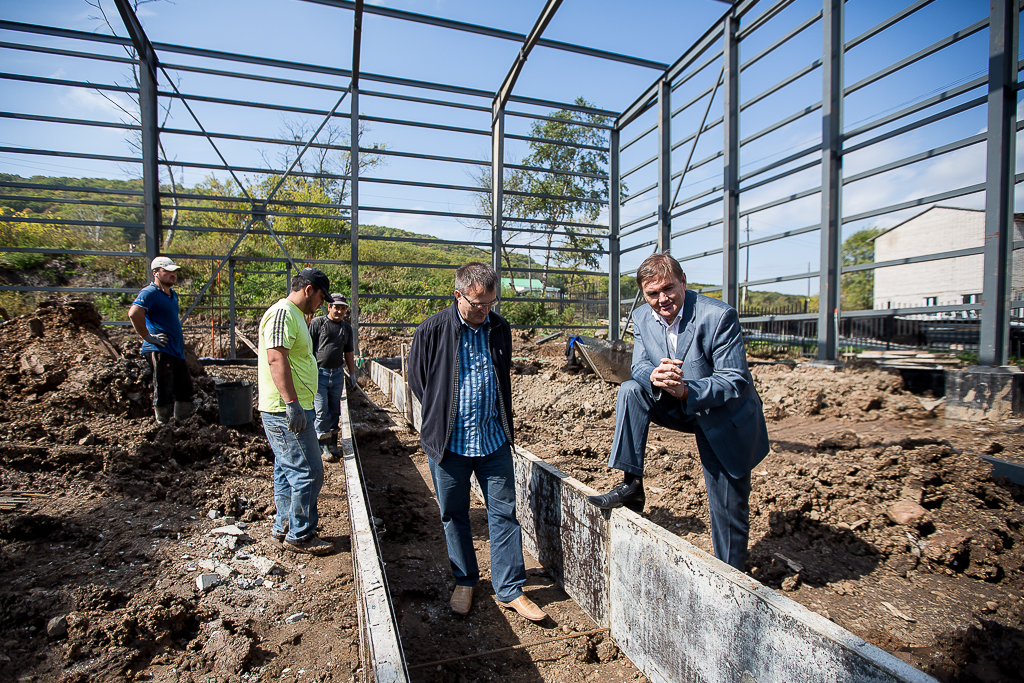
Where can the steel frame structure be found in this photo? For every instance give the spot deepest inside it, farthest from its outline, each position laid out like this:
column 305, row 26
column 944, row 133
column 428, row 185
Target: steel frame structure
column 647, row 124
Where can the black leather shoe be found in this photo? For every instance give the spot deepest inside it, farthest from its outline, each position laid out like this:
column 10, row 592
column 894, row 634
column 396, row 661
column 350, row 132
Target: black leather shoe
column 631, row 496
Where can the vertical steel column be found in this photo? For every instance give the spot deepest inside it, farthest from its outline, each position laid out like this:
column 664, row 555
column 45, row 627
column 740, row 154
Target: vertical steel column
column 731, row 163
column 497, row 188
column 353, row 300
column 614, row 253
column 831, row 177
column 149, row 112
column 664, row 166
column 994, row 348
column 231, row 304
column 354, row 225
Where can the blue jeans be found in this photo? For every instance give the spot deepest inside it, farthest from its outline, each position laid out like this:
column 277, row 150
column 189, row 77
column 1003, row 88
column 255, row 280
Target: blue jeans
column 298, row 476
column 328, row 399
column 497, row 478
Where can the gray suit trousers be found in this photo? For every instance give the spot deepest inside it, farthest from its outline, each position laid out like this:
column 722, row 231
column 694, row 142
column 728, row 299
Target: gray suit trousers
column 728, row 497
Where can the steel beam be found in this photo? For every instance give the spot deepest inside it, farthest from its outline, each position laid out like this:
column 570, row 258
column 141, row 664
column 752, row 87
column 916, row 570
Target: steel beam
column 497, row 190
column 357, row 35
column 994, row 347
column 495, row 33
column 731, row 163
column 149, row 113
column 831, row 178
column 505, row 91
column 664, row 166
column 614, row 254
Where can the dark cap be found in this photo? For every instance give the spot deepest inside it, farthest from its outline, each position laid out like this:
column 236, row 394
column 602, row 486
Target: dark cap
column 338, row 299
column 317, row 279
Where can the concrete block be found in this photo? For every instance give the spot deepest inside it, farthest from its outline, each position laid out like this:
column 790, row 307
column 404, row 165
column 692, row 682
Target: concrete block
column 205, row 582
column 985, row 393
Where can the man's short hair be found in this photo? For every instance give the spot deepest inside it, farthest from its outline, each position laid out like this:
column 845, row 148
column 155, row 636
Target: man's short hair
column 298, row 282
column 476, row 273
column 658, row 267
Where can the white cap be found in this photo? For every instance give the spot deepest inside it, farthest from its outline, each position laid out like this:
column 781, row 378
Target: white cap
column 163, row 262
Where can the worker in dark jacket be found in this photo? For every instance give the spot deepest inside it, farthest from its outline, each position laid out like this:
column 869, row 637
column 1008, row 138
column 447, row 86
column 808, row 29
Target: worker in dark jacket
column 460, row 370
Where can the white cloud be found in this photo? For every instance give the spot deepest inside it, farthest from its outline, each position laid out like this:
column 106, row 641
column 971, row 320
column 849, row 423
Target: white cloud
column 82, row 103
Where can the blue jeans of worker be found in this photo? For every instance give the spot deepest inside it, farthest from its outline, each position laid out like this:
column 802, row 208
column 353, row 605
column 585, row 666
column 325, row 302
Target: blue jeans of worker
column 728, row 497
column 497, row 478
column 328, row 399
column 298, row 476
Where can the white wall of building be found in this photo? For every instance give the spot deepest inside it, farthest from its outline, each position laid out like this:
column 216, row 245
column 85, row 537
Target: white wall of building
column 942, row 282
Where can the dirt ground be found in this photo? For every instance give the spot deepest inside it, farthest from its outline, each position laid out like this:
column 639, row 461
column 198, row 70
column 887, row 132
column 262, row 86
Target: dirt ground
column 871, row 510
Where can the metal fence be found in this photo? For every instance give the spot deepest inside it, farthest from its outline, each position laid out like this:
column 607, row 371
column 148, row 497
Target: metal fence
column 728, row 134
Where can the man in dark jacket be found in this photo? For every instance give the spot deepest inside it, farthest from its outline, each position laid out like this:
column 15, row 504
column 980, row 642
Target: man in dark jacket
column 460, row 370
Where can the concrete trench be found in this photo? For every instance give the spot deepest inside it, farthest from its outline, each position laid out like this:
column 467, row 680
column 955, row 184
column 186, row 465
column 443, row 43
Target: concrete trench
column 676, row 612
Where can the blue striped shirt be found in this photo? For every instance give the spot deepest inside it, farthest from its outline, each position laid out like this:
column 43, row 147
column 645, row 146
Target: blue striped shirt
column 477, row 430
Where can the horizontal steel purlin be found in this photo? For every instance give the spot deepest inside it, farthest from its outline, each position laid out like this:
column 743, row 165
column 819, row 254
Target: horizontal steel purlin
column 70, row 188
column 81, row 202
column 67, row 121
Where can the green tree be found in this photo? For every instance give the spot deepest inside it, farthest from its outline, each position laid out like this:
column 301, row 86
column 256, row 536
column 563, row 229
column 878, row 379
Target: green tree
column 573, row 189
column 857, row 290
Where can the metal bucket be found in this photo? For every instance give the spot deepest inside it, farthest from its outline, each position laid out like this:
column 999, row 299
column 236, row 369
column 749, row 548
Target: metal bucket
column 234, row 403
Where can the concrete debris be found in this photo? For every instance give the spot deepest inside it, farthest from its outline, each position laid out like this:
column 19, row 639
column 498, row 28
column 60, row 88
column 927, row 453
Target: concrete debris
column 264, row 565
column 214, row 514
column 295, row 618
column 224, row 571
column 230, row 530
column 205, row 582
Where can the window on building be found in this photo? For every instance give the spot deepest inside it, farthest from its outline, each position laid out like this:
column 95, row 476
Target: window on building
column 931, row 301
column 972, row 298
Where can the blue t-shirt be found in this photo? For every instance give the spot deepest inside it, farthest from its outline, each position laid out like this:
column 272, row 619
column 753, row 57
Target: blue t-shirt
column 161, row 316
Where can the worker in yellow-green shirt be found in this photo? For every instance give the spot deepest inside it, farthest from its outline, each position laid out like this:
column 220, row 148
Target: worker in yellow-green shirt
column 287, row 387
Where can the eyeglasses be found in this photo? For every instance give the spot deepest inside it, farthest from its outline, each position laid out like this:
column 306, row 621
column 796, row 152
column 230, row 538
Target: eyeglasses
column 479, row 304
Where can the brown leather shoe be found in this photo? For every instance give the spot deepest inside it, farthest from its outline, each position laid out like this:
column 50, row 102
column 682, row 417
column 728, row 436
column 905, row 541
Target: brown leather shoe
column 526, row 608
column 462, row 600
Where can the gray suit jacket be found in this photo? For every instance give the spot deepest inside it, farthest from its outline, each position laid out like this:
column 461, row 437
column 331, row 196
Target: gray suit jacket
column 722, row 396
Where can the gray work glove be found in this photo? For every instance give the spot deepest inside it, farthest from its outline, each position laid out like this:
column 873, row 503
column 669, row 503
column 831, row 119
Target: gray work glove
column 160, row 339
column 351, row 383
column 296, row 416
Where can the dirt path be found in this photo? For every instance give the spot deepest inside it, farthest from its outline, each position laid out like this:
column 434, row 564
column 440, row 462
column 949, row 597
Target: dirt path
column 420, row 580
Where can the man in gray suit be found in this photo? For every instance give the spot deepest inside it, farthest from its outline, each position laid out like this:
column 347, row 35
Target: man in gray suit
column 690, row 374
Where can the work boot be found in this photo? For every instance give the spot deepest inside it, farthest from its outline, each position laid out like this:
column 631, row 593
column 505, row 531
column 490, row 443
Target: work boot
column 526, row 608
column 163, row 413
column 325, row 447
column 462, row 600
column 332, row 445
column 311, row 546
column 182, row 410
column 631, row 496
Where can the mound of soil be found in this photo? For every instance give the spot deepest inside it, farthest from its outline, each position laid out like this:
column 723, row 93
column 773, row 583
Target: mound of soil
column 101, row 573
column 857, row 395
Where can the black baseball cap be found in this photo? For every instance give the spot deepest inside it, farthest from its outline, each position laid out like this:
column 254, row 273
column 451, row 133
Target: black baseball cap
column 317, row 279
column 338, row 299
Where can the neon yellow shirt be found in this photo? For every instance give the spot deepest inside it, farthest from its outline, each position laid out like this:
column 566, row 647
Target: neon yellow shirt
column 284, row 325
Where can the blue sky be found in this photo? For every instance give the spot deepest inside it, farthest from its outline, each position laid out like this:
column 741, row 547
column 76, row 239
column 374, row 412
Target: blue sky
column 657, row 30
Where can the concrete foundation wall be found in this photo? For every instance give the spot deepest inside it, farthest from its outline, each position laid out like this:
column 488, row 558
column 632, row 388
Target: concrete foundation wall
column 379, row 646
column 678, row 613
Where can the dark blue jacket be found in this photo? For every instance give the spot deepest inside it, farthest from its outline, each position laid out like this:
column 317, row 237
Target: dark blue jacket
column 433, row 369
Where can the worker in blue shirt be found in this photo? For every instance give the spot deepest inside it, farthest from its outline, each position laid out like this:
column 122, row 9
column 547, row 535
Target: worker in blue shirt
column 154, row 315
